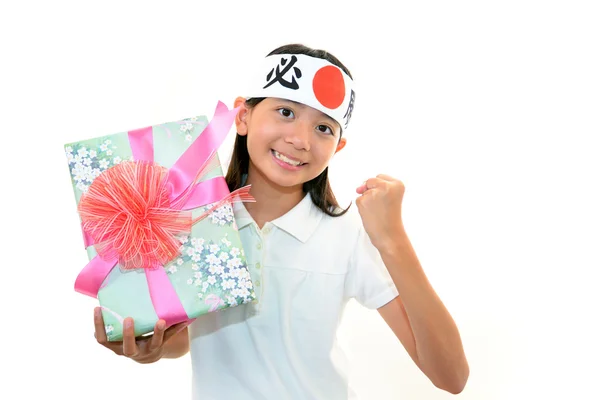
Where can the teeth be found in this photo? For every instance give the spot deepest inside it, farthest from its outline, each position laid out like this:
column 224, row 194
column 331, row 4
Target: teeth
column 285, row 159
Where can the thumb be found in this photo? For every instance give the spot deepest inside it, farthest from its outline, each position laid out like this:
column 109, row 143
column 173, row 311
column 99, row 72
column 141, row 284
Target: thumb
column 362, row 188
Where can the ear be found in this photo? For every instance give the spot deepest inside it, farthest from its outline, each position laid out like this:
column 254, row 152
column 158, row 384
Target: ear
column 341, row 144
column 240, row 118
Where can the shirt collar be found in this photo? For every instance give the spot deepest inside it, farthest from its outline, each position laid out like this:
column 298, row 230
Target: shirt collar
column 301, row 221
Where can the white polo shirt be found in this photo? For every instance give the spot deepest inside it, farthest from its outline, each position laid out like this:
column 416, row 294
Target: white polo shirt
column 305, row 266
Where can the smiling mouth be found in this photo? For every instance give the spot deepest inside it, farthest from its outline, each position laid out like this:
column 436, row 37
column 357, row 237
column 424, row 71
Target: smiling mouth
column 286, row 160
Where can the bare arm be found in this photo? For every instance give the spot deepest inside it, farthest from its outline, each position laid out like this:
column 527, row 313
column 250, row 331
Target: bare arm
column 418, row 317
column 421, row 321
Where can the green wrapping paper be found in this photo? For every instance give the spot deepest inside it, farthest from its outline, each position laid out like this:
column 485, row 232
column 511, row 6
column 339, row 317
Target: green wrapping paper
column 210, row 272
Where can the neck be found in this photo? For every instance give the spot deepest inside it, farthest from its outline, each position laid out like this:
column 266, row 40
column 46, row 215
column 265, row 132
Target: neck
column 272, row 201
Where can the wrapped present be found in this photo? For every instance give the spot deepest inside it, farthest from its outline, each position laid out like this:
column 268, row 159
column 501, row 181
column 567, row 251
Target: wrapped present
column 158, row 223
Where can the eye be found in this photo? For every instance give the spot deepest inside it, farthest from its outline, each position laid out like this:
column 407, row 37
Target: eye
column 324, row 129
column 286, row 112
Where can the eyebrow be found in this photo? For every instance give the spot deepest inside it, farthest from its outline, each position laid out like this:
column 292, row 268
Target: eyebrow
column 294, row 102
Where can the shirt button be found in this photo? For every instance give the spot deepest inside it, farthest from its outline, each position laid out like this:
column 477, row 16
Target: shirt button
column 257, row 265
column 258, row 284
column 259, row 246
column 267, row 229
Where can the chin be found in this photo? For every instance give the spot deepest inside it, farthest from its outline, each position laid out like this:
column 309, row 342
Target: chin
column 286, row 182
column 283, row 179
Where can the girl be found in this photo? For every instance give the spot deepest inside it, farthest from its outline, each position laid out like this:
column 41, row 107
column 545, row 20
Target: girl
column 307, row 256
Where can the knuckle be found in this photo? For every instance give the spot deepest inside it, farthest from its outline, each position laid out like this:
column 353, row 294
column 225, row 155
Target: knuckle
column 129, row 353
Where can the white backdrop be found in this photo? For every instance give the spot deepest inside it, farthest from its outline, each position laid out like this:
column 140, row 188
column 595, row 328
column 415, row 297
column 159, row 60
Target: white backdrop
column 488, row 111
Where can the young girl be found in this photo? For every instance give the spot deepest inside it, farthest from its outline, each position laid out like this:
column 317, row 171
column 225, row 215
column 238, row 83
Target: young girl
column 306, row 255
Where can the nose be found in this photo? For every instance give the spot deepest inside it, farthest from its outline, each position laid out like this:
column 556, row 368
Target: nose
column 299, row 136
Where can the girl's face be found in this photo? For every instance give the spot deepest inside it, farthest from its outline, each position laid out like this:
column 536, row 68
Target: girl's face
column 288, row 143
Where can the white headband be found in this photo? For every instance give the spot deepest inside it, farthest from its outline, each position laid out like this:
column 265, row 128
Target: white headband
column 312, row 81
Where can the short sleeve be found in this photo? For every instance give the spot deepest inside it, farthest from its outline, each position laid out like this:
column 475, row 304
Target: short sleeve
column 368, row 280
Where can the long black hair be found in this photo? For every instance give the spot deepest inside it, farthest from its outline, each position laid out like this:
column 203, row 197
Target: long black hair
column 319, row 188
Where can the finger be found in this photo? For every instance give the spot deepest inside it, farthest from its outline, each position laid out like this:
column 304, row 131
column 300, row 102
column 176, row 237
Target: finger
column 175, row 329
column 116, row 347
column 157, row 337
column 100, row 331
column 373, row 183
column 130, row 348
column 364, row 197
column 362, row 188
column 365, row 186
column 386, row 178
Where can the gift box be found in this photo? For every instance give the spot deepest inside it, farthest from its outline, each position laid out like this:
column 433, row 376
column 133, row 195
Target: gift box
column 158, row 226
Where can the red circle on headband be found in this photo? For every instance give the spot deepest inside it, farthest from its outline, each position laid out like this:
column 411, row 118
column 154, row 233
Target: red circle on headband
column 329, row 87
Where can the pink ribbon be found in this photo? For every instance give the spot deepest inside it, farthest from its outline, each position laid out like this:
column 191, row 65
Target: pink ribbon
column 185, row 194
column 214, row 302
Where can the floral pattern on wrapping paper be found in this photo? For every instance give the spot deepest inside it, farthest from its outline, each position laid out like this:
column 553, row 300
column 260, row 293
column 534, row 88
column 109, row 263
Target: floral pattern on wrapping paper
column 222, row 216
column 220, row 272
column 186, row 128
column 86, row 164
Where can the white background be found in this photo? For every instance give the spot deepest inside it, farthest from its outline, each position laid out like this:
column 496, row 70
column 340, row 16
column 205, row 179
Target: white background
column 488, row 111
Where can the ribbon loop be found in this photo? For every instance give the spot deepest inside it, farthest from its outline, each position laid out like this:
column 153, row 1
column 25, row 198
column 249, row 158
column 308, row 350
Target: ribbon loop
column 185, row 171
